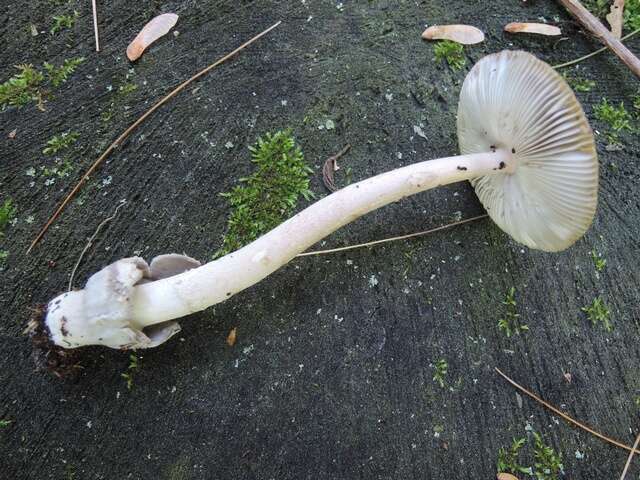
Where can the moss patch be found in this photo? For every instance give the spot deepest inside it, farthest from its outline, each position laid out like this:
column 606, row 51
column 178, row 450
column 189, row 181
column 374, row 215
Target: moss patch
column 266, row 198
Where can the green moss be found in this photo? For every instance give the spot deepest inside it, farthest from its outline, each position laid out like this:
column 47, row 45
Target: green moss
column 508, row 461
column 59, row 75
column 451, row 52
column 598, row 312
column 441, row 368
column 63, row 22
column 60, row 142
column 598, row 261
column 548, row 463
column 579, row 84
column 31, row 85
column 617, row 118
column 267, row 197
column 129, row 374
column 7, row 213
column 511, row 323
column 632, row 14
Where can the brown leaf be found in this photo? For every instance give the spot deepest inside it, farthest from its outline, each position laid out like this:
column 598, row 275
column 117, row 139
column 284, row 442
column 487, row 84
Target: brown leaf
column 231, row 338
column 539, row 28
column 615, row 18
column 506, row 476
column 152, row 31
column 465, row 34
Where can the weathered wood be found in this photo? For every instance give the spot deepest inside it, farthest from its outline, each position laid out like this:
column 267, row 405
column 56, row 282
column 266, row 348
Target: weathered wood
column 331, row 373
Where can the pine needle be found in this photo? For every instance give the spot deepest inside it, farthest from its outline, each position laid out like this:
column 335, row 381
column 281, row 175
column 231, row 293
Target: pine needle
column 135, row 125
column 567, row 417
column 626, row 467
column 392, row 239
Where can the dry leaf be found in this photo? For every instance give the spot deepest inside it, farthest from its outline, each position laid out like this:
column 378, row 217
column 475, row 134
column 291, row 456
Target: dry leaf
column 615, row 18
column 231, row 338
column 13, row 133
column 465, row 34
column 506, row 476
column 539, row 28
column 152, row 31
column 567, row 377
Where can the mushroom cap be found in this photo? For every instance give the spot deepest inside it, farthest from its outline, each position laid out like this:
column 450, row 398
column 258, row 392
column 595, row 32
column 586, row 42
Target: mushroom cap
column 513, row 101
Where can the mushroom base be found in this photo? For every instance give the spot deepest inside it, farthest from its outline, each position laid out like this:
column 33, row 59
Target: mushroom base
column 46, row 354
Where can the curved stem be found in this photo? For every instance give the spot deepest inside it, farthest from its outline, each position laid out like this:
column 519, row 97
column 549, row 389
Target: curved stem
column 216, row 281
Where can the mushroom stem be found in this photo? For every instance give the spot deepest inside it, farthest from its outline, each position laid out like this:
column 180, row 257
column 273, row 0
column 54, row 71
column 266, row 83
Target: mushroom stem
column 218, row 280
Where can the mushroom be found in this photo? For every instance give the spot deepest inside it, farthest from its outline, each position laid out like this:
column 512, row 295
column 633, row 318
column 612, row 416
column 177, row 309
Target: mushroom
column 526, row 146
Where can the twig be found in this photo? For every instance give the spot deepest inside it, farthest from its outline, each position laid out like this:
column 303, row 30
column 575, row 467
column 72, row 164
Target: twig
column 329, row 167
column 593, row 54
column 567, row 417
column 90, row 242
column 626, row 467
column 95, row 24
column 592, row 24
column 128, row 131
column 392, row 239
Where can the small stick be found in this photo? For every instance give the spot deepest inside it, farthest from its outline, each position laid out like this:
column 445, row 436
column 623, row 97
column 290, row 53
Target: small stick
column 567, row 417
column 128, row 131
column 592, row 24
column 90, row 242
column 392, row 239
column 95, row 24
column 329, row 167
column 593, row 54
column 626, row 467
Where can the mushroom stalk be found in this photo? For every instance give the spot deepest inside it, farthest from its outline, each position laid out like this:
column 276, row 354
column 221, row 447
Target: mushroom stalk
column 218, row 280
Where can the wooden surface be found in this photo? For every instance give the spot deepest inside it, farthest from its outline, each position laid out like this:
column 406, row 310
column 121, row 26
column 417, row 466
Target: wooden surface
column 331, row 375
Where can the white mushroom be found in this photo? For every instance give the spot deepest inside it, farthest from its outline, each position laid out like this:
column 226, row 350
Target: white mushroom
column 526, row 147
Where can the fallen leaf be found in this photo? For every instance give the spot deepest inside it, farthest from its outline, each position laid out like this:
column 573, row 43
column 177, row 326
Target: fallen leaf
column 152, row 31
column 465, row 34
column 615, row 18
column 568, row 377
column 506, row 476
column 231, row 338
column 13, row 133
column 539, row 28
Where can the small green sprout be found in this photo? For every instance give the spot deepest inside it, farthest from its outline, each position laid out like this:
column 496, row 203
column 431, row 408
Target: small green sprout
column 267, row 197
column 598, row 312
column 617, row 118
column 7, row 213
column 130, row 372
column 59, row 75
column 4, row 254
column 4, row 423
column 548, row 463
column 60, row 142
column 451, row 52
column 440, row 372
column 508, row 459
column 511, row 323
column 636, row 101
column 62, row 22
column 598, row 261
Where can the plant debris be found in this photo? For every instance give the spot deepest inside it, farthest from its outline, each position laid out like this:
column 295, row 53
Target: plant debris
column 152, row 31
column 506, row 476
column 465, row 34
column 231, row 338
column 330, row 166
column 537, row 28
column 615, row 18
